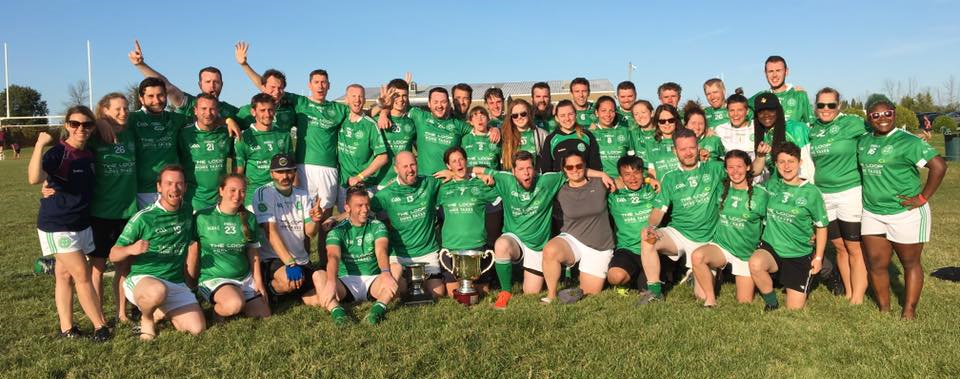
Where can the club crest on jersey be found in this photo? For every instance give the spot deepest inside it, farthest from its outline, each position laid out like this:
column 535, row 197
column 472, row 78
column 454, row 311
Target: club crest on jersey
column 886, row 150
column 801, row 201
column 262, row 207
column 834, row 129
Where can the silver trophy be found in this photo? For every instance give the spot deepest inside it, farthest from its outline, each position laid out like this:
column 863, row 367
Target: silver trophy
column 416, row 295
column 466, row 268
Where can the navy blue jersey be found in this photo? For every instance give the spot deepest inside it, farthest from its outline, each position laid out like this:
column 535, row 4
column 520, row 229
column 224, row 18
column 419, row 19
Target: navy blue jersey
column 70, row 173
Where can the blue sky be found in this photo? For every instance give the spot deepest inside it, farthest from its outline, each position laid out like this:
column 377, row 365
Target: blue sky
column 853, row 46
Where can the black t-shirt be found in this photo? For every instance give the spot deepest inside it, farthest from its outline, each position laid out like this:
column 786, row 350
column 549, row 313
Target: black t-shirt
column 558, row 144
column 70, row 173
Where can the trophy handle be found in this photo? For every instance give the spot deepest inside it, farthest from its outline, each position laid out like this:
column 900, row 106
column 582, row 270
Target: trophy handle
column 445, row 252
column 492, row 260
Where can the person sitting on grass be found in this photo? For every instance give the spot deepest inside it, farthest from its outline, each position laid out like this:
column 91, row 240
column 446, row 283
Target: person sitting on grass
column 630, row 207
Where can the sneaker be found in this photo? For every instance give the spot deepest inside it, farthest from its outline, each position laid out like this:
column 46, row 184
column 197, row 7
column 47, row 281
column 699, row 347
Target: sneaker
column 770, row 307
column 647, row 297
column 71, row 333
column 546, row 300
column 502, row 299
column 102, row 334
column 570, row 295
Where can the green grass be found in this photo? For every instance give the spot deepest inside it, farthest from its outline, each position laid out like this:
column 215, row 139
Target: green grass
column 604, row 336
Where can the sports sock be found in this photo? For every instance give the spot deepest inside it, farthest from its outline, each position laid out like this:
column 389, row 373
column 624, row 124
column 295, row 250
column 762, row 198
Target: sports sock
column 770, row 298
column 378, row 309
column 505, row 275
column 655, row 288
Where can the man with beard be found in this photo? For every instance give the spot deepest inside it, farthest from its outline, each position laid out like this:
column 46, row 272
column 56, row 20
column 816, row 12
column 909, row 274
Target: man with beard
column 796, row 104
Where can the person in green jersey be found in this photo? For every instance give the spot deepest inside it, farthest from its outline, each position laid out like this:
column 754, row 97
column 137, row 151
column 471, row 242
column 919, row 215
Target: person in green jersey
column 358, row 267
column 114, row 194
column 477, row 143
column 795, row 212
column 692, row 192
column 520, row 132
column 580, row 93
column 204, row 148
column 613, row 140
column 896, row 216
column 543, row 114
column 462, row 98
column 716, row 112
column 400, row 134
column 796, row 104
column 833, row 148
column 493, row 99
column 224, row 257
column 410, row 203
column 771, row 129
column 630, row 208
column 360, row 149
column 569, row 136
column 273, row 83
column 711, row 148
column 669, row 93
column 626, row 97
column 743, row 206
column 642, row 112
column 156, row 241
column 258, row 144
column 210, row 82
column 659, row 153
column 465, row 202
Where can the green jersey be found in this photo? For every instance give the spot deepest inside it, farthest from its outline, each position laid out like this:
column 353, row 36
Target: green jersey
column 285, row 118
column 713, row 145
column 796, row 104
column 660, row 157
column 399, row 137
column 412, row 210
column 796, row 132
column 716, row 116
column 255, row 149
column 187, row 110
column 631, row 211
column 358, row 143
column 625, row 119
column 168, row 234
column 833, row 147
column 464, row 210
column 223, row 242
column 548, row 123
column 527, row 213
column 203, row 155
column 156, row 144
column 587, row 117
column 358, row 254
column 480, row 151
column 115, row 165
column 792, row 213
column 694, row 195
column 495, row 122
column 741, row 221
column 434, row 137
column 890, row 167
column 318, row 125
column 530, row 142
column 640, row 139
column 614, row 143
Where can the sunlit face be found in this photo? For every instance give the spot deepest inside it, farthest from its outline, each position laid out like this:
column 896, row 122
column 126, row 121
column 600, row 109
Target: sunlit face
column 319, row 86
column 523, row 171
column 520, row 116
column 479, row 122
column 767, row 117
column 283, row 179
column 457, row 163
column 462, row 99
column 406, row 168
column 358, row 208
column 826, row 114
column 154, row 99
column 788, row 166
column 696, row 123
column 355, row 99
column 606, row 113
column 580, row 93
column 566, row 118
column 631, row 177
column 666, row 123
column 687, row 151
column 641, row 114
column 574, row 169
column 210, row 82
column 263, row 113
column 117, row 110
column 274, row 87
column 541, row 99
column 232, row 193
column 171, row 187
column 715, row 95
column 736, row 170
column 626, row 97
column 776, row 73
column 737, row 112
column 206, row 111
column 882, row 118
column 79, row 128
column 669, row 96
column 439, row 103
column 494, row 106
column 401, row 100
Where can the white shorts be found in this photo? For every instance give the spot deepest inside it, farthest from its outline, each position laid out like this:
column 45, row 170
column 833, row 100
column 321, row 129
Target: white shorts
column 209, row 286
column 592, row 261
column 846, row 205
column 432, row 261
column 66, row 242
column 906, row 227
column 685, row 247
column 145, row 199
column 178, row 294
column 532, row 259
column 737, row 266
column 342, row 195
column 319, row 180
column 358, row 285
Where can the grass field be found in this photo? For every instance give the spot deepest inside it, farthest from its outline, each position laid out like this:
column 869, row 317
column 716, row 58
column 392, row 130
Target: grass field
column 605, row 336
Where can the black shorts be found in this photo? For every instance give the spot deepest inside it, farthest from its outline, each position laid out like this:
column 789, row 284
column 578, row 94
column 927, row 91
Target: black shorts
column 628, row 261
column 849, row 231
column 447, row 276
column 270, row 266
column 791, row 273
column 105, row 235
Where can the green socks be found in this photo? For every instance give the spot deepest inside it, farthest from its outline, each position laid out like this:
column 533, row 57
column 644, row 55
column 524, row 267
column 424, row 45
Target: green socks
column 655, row 288
column 377, row 311
column 770, row 298
column 339, row 315
column 505, row 275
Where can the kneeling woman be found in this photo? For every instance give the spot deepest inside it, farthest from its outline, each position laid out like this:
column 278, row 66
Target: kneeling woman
column 795, row 211
column 225, row 252
column 742, row 209
column 585, row 237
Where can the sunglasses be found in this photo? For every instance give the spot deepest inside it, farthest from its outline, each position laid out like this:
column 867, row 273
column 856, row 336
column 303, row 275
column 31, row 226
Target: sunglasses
column 518, row 115
column 827, row 105
column 877, row 115
column 578, row 166
column 77, row 124
column 667, row 121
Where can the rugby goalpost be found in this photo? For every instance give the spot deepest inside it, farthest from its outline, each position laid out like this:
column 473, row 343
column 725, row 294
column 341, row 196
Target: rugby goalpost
column 49, row 118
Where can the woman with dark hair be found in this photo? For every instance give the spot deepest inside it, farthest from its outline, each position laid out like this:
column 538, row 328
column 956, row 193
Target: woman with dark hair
column 743, row 206
column 770, row 130
column 659, row 155
column 568, row 138
column 711, row 148
column 63, row 221
column 519, row 133
column 896, row 216
column 795, row 212
column 613, row 140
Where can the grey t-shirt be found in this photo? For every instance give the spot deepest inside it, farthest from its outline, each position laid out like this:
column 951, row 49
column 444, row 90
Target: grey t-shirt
column 585, row 214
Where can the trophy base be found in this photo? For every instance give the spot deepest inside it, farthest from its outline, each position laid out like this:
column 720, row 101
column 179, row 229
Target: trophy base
column 418, row 299
column 469, row 298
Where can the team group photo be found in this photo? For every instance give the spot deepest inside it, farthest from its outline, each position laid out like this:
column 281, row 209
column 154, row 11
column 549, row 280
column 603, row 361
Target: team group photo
column 274, row 218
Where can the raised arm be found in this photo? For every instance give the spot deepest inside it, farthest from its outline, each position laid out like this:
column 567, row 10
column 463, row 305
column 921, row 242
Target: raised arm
column 240, row 53
column 174, row 94
column 35, row 174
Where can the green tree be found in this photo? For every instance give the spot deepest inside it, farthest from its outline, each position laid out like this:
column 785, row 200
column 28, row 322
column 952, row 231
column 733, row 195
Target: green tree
column 133, row 97
column 907, row 118
column 944, row 123
column 24, row 101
